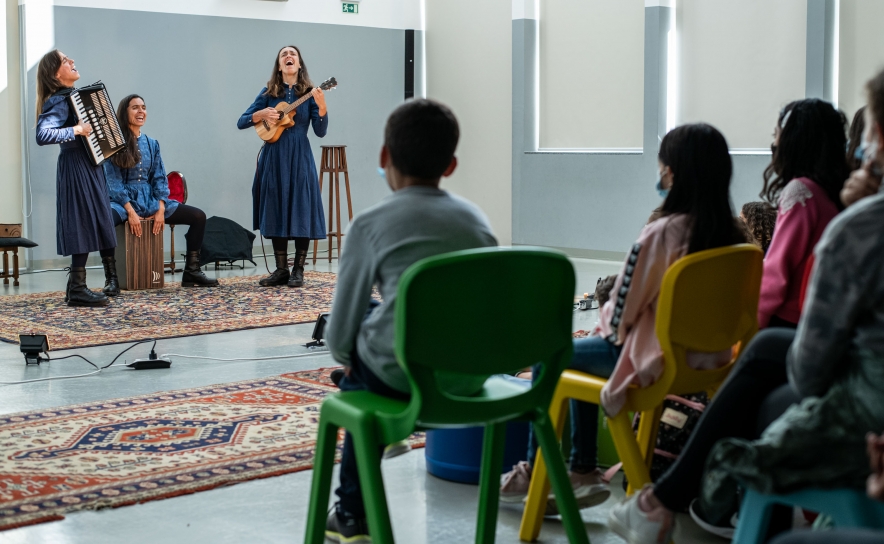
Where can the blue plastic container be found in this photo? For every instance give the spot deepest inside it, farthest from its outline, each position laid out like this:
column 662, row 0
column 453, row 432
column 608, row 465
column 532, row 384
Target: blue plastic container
column 456, row 454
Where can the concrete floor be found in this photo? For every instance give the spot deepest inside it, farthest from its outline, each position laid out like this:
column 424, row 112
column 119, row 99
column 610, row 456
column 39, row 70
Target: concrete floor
column 424, row 509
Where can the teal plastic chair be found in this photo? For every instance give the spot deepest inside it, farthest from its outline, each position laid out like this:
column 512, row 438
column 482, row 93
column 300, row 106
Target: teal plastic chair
column 848, row 508
column 460, row 318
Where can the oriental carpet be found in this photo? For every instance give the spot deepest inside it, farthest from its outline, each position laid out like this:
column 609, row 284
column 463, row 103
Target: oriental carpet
column 131, row 450
column 237, row 304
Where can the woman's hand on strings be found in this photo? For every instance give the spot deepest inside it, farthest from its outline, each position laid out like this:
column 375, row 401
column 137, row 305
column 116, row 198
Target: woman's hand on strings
column 319, row 97
column 268, row 115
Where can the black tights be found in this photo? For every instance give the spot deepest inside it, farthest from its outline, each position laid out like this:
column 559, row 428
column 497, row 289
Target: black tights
column 282, row 244
column 183, row 215
column 755, row 394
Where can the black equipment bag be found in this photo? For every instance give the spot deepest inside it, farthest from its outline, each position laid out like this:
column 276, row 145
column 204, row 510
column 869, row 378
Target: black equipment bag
column 226, row 241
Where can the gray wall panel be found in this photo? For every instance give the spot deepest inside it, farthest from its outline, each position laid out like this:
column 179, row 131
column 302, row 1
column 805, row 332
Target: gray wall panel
column 198, row 74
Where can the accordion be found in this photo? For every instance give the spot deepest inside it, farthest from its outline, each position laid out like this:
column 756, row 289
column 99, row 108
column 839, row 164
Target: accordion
column 93, row 105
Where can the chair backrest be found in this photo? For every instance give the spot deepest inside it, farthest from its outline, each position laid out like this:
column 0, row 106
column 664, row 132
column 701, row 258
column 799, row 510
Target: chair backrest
column 805, row 281
column 464, row 316
column 708, row 303
column 177, row 186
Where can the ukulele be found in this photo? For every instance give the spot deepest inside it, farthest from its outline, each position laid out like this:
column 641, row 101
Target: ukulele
column 271, row 133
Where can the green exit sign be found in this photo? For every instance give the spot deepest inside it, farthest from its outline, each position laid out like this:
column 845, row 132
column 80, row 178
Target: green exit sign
column 349, row 7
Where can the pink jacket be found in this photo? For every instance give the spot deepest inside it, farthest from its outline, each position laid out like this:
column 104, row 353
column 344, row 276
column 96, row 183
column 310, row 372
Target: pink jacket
column 659, row 245
column 803, row 214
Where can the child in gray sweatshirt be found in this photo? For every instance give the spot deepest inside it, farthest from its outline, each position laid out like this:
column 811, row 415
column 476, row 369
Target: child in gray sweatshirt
column 417, row 221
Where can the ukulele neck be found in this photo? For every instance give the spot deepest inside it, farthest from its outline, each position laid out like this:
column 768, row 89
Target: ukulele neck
column 298, row 102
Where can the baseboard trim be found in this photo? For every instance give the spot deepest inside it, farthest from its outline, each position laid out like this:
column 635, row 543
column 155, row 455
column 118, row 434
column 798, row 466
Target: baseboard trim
column 95, row 259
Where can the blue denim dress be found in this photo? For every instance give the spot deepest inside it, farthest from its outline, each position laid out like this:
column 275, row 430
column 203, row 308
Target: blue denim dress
column 83, row 222
column 287, row 202
column 143, row 185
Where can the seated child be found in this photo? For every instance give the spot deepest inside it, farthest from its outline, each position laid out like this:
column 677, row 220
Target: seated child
column 760, row 218
column 418, row 220
column 696, row 215
column 832, row 367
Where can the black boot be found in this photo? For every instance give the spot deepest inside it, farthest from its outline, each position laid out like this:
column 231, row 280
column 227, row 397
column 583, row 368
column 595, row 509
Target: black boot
column 280, row 276
column 111, row 283
column 79, row 294
column 193, row 275
column 297, row 277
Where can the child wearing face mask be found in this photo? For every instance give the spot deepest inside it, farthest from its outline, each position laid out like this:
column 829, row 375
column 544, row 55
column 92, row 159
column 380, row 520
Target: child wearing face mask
column 695, row 174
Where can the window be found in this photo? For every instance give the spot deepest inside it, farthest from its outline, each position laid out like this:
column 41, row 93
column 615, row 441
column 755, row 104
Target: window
column 739, row 62
column 592, row 74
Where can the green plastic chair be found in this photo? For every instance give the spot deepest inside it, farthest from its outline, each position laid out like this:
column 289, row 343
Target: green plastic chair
column 460, row 318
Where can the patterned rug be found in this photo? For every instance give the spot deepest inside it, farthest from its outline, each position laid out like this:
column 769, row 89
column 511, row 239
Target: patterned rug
column 165, row 313
column 131, row 450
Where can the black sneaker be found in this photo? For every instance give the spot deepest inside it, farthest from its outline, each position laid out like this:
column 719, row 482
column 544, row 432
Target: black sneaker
column 337, row 375
column 345, row 529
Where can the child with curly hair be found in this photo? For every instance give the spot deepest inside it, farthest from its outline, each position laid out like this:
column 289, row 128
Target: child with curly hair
column 760, row 219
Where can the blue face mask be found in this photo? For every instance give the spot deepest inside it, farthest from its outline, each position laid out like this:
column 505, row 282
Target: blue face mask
column 382, row 173
column 659, row 186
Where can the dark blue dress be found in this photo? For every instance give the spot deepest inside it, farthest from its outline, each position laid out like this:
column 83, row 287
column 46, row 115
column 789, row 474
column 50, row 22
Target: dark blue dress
column 143, row 185
column 287, row 202
column 83, row 220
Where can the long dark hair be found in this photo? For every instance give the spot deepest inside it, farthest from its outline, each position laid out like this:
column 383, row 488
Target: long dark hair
column 855, row 137
column 812, row 144
column 701, row 167
column 47, row 83
column 275, row 86
column 130, row 155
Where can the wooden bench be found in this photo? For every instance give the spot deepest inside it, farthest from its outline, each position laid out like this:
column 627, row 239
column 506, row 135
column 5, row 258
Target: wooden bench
column 10, row 241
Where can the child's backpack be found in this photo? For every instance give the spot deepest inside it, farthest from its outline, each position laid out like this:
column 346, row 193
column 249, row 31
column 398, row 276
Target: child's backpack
column 680, row 416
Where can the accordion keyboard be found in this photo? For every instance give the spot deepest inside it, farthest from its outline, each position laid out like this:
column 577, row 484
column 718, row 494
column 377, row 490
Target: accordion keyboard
column 93, row 106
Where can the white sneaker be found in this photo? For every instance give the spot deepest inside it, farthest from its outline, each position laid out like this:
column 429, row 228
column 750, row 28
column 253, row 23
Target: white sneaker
column 723, row 532
column 638, row 527
column 396, row 449
column 514, row 484
column 590, row 490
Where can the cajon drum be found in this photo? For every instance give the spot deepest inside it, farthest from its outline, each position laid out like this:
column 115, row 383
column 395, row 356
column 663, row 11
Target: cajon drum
column 139, row 260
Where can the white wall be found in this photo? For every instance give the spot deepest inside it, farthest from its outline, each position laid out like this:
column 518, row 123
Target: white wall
column 861, row 50
column 739, row 63
column 10, row 112
column 469, row 68
column 591, row 73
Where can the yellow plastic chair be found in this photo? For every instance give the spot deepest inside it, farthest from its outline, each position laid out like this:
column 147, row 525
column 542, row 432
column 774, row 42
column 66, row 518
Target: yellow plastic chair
column 708, row 303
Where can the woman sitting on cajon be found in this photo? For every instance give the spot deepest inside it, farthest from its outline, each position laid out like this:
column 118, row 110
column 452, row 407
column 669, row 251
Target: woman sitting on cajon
column 136, row 181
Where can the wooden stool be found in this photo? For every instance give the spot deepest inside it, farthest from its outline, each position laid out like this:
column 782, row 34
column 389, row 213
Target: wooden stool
column 334, row 161
column 139, row 260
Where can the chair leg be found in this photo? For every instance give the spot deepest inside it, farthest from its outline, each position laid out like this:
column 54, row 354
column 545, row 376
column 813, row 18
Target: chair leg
column 538, row 491
column 368, row 459
column 629, row 452
column 646, row 437
column 326, row 441
column 489, row 482
column 561, row 484
column 754, row 519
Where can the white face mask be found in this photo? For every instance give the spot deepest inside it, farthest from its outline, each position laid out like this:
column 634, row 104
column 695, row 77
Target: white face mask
column 382, row 173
